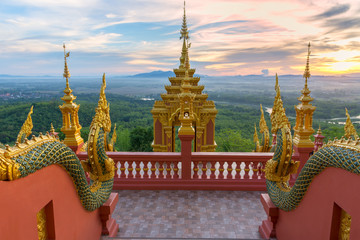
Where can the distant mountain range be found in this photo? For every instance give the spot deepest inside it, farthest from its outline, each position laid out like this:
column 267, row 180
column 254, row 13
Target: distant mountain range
column 154, row 74
column 165, row 74
column 159, row 74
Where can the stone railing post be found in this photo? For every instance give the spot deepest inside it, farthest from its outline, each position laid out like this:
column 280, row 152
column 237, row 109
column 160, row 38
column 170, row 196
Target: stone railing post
column 186, row 134
column 186, row 141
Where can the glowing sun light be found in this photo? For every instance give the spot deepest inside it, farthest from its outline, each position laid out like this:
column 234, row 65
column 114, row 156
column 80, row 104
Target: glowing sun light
column 344, row 67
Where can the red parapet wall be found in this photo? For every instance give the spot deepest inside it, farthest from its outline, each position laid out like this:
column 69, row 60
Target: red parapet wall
column 208, row 171
column 317, row 216
column 53, row 189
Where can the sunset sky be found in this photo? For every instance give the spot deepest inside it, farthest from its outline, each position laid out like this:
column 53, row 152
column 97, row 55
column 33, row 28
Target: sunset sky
column 228, row 37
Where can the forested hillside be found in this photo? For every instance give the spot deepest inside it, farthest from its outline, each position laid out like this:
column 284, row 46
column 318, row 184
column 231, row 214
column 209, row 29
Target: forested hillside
column 234, row 126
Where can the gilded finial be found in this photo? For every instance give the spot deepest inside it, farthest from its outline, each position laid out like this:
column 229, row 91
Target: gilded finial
column 184, row 30
column 307, row 68
column 184, row 34
column 349, row 128
column 68, row 97
column 276, row 82
column 66, row 70
column 319, row 130
column 305, row 98
column 26, row 128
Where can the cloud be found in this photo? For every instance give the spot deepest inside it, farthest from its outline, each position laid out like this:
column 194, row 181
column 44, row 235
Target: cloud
column 54, row 3
column 228, row 37
column 222, row 66
column 342, row 24
column 333, row 11
column 265, row 72
column 147, row 62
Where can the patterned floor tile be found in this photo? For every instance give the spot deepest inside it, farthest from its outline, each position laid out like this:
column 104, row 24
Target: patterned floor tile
column 188, row 215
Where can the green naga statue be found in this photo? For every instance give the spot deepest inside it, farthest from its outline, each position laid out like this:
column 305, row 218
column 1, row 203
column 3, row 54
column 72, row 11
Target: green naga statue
column 29, row 156
column 344, row 154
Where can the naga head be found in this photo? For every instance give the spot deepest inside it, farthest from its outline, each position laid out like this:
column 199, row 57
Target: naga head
column 99, row 165
column 102, row 112
column 280, row 167
column 278, row 117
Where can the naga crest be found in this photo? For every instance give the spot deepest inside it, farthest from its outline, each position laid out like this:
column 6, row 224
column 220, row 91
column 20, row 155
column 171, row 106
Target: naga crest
column 102, row 115
column 99, row 165
column 264, row 130
column 350, row 131
column 280, row 167
column 278, row 117
column 26, row 128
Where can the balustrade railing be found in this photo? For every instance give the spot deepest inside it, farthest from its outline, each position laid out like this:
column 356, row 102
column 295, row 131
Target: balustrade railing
column 209, row 170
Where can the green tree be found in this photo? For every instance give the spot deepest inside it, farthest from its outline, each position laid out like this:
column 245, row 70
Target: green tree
column 229, row 140
column 84, row 132
column 123, row 139
column 141, row 139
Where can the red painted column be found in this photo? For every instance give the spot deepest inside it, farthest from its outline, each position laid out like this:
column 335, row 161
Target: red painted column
column 186, row 155
column 304, row 154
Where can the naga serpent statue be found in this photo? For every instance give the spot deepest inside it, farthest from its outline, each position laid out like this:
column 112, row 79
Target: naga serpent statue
column 29, row 156
column 343, row 153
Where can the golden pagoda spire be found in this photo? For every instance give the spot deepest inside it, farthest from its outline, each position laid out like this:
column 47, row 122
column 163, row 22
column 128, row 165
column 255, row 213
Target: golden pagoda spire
column 69, row 109
column 305, row 98
column 349, row 127
column 66, row 70
column 304, row 113
column 307, row 68
column 186, row 45
column 68, row 97
column 26, row 128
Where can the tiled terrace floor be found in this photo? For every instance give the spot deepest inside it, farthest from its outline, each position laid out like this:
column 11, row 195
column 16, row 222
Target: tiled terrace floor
column 188, row 215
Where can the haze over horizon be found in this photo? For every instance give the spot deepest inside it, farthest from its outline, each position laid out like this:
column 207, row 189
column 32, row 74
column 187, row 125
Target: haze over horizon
column 228, row 37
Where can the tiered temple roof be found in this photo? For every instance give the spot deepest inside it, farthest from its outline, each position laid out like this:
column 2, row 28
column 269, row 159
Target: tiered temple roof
column 166, row 112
